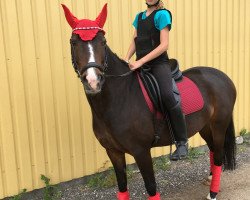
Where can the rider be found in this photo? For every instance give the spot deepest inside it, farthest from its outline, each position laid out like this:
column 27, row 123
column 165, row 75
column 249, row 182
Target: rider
column 150, row 42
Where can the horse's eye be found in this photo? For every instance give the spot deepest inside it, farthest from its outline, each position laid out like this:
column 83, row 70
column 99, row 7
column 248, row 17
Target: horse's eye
column 72, row 42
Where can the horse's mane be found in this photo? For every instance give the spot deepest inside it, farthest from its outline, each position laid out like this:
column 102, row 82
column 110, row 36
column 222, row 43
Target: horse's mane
column 115, row 57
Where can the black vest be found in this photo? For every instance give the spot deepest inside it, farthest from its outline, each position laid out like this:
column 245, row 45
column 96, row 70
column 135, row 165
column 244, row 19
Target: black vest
column 148, row 38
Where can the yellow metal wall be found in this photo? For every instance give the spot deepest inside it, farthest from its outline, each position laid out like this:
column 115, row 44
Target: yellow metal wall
column 45, row 120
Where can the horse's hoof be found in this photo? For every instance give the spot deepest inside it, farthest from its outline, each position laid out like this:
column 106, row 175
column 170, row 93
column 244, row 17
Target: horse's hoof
column 209, row 197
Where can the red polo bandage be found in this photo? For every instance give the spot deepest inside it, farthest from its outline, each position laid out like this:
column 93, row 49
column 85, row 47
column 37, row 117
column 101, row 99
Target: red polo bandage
column 156, row 197
column 211, row 161
column 123, row 195
column 215, row 183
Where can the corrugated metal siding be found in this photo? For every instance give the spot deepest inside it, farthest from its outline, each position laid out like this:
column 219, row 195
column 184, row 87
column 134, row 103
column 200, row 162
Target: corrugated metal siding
column 45, row 120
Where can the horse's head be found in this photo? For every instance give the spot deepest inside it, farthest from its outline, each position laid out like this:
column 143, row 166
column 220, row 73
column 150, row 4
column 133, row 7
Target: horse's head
column 88, row 49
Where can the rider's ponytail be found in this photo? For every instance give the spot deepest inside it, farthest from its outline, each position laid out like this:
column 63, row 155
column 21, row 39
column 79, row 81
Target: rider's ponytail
column 160, row 5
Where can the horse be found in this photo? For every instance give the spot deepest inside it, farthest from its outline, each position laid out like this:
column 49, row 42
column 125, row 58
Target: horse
column 122, row 122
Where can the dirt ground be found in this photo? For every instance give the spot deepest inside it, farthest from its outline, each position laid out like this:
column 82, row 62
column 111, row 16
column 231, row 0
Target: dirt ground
column 235, row 185
column 182, row 180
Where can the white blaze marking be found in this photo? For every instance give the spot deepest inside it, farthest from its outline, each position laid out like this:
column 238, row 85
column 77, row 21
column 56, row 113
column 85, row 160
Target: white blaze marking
column 92, row 56
column 91, row 75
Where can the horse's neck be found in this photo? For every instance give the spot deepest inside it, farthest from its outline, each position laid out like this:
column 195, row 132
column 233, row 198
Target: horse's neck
column 115, row 89
column 116, row 66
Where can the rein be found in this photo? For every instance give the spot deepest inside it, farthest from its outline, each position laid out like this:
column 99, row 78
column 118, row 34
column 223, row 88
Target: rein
column 121, row 75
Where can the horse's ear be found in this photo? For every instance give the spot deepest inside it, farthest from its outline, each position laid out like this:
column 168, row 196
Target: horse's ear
column 101, row 19
column 72, row 20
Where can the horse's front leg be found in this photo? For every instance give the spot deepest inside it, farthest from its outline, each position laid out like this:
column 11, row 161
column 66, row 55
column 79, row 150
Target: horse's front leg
column 144, row 162
column 118, row 160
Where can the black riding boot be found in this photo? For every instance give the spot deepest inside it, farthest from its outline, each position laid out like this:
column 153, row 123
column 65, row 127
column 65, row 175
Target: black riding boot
column 178, row 124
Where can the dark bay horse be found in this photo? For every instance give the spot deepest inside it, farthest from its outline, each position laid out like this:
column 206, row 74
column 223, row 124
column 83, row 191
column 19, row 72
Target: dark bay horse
column 122, row 121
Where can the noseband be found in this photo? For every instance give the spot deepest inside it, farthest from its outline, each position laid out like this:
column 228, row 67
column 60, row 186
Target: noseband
column 102, row 68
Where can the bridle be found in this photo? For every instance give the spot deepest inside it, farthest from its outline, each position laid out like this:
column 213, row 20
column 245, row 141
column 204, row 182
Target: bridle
column 102, row 68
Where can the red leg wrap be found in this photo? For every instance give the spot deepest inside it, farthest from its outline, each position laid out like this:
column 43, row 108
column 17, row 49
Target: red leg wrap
column 123, row 195
column 156, row 197
column 211, row 161
column 215, row 184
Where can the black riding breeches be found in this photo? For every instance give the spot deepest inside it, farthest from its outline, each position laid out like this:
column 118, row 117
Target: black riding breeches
column 163, row 75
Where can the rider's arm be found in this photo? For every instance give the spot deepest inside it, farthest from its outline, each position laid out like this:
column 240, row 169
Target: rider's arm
column 131, row 49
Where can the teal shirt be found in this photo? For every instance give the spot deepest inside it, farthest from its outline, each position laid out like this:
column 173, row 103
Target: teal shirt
column 162, row 19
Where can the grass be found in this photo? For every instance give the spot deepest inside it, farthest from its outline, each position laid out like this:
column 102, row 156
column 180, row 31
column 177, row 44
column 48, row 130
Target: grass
column 18, row 196
column 107, row 178
column 161, row 163
column 244, row 132
column 246, row 135
column 194, row 153
column 102, row 179
column 51, row 192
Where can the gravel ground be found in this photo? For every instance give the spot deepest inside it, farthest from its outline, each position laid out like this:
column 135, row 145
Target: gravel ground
column 183, row 180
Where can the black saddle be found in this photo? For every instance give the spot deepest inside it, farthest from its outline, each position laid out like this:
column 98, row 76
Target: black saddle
column 152, row 86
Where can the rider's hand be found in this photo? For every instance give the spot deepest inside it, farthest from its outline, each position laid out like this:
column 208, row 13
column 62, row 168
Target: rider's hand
column 135, row 65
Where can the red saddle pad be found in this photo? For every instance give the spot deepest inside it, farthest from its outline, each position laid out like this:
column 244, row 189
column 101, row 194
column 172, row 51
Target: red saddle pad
column 191, row 98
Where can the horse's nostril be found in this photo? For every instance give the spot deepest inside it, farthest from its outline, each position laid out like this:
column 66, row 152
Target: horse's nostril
column 101, row 79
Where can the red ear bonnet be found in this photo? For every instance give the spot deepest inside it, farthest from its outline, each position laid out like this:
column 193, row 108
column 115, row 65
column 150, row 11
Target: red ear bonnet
column 101, row 19
column 72, row 20
column 85, row 28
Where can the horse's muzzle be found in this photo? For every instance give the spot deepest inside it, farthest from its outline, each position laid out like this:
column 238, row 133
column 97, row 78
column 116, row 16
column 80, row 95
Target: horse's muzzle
column 93, row 86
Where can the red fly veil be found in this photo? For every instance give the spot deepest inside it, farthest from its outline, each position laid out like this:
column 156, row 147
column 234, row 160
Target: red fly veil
column 85, row 28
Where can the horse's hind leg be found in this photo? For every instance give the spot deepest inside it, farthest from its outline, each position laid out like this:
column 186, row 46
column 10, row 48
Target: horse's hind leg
column 219, row 129
column 118, row 160
column 206, row 134
column 144, row 162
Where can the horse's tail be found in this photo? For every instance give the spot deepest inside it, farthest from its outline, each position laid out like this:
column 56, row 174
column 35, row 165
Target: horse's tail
column 230, row 147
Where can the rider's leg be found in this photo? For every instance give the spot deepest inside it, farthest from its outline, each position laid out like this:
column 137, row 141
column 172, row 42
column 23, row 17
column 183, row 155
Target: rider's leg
column 179, row 126
column 163, row 75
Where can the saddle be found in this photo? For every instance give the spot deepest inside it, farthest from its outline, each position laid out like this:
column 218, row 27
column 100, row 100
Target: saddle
column 152, row 86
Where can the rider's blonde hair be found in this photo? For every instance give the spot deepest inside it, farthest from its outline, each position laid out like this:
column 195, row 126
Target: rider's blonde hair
column 160, row 5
